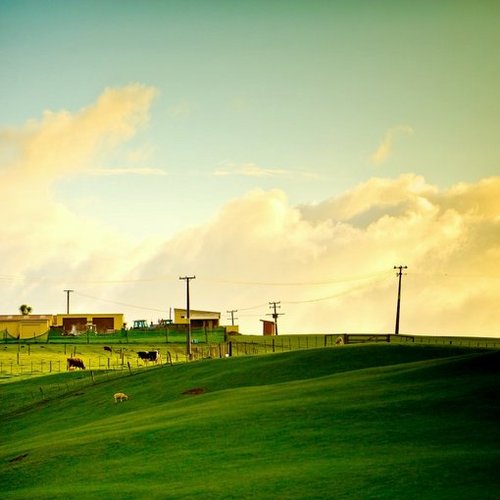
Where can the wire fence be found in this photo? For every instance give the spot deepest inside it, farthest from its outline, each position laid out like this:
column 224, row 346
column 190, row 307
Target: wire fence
column 242, row 345
column 167, row 335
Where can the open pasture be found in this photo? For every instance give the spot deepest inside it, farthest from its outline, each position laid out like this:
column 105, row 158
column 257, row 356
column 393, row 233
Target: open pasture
column 28, row 359
column 364, row 421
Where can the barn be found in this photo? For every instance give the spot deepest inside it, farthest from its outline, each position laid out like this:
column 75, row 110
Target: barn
column 79, row 323
column 25, row 326
column 35, row 325
column 199, row 319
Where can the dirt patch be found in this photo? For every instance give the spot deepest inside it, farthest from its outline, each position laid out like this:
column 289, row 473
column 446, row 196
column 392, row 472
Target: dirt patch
column 18, row 458
column 194, row 391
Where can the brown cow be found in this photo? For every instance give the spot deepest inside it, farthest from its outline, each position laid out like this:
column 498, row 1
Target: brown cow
column 73, row 363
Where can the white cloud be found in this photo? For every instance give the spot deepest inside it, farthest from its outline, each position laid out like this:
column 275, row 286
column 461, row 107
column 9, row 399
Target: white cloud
column 41, row 236
column 181, row 110
column 330, row 264
column 385, row 148
column 334, row 274
column 252, row 170
column 125, row 171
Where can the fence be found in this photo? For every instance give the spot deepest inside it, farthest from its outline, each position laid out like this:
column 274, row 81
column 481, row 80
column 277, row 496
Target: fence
column 242, row 345
column 167, row 335
column 26, row 359
column 54, row 387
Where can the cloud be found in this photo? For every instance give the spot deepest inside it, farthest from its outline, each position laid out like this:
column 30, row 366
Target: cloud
column 252, row 170
column 330, row 264
column 183, row 109
column 62, row 143
column 384, row 150
column 125, row 171
column 41, row 236
column 333, row 274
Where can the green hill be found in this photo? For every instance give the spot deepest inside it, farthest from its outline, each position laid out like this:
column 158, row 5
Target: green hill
column 369, row 421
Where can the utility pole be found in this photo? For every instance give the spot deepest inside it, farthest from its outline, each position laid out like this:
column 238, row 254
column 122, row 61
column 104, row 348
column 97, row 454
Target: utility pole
column 187, row 279
column 67, row 299
column 399, row 274
column 274, row 306
column 232, row 315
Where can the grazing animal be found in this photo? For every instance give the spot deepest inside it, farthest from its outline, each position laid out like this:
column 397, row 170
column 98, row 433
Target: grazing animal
column 120, row 396
column 149, row 355
column 339, row 341
column 73, row 363
column 107, row 348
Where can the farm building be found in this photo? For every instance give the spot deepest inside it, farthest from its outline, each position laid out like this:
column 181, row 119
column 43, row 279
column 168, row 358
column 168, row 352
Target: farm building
column 34, row 325
column 78, row 323
column 268, row 327
column 25, row 326
column 199, row 319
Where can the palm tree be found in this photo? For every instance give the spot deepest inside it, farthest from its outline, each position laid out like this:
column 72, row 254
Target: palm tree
column 25, row 310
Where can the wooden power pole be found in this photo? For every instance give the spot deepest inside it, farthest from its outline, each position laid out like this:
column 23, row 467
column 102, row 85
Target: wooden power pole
column 398, row 274
column 67, row 299
column 189, row 352
column 275, row 314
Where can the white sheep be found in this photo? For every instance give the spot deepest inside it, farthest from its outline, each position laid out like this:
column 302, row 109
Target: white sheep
column 120, row 396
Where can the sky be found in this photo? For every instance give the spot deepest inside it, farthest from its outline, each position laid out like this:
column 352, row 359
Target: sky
column 279, row 151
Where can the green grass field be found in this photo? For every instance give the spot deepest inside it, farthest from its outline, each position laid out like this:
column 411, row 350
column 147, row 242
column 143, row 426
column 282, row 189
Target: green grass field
column 361, row 421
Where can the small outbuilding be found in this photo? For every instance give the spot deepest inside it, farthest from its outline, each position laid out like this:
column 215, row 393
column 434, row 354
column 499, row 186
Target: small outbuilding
column 268, row 327
column 199, row 319
column 79, row 323
column 25, row 326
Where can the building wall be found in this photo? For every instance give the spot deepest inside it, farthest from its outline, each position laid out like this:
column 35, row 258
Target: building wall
column 207, row 319
column 79, row 322
column 268, row 327
column 25, row 328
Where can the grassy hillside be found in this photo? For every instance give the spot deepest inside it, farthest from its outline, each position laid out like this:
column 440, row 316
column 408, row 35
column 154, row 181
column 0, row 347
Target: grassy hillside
column 369, row 421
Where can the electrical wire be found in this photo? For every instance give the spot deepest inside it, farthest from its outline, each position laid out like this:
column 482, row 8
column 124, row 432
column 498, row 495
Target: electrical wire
column 119, row 303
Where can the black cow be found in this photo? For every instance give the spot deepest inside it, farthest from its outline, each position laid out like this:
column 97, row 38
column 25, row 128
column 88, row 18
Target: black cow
column 107, row 348
column 149, row 355
column 75, row 363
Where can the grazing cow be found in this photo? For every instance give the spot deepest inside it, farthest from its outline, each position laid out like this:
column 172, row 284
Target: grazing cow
column 120, row 396
column 339, row 341
column 149, row 355
column 107, row 348
column 73, row 363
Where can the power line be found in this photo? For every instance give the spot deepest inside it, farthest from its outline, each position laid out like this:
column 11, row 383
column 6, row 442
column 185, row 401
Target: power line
column 120, row 303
